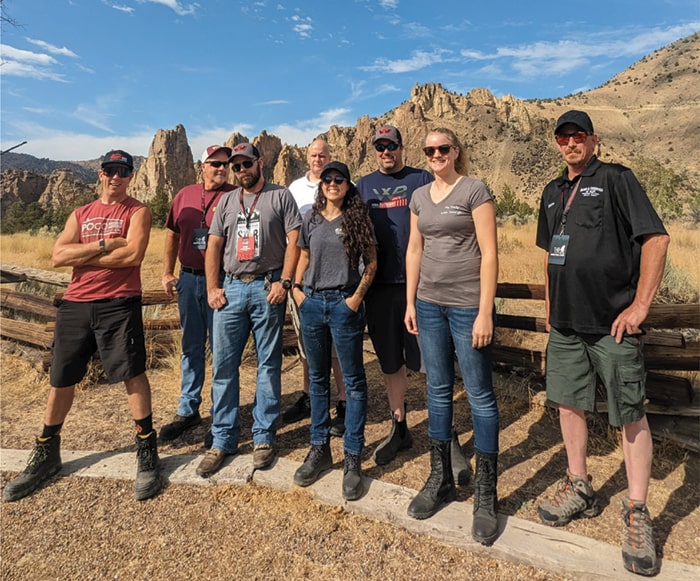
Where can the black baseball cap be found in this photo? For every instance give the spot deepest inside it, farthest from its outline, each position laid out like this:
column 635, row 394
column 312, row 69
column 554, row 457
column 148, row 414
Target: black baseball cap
column 118, row 157
column 338, row 166
column 578, row 118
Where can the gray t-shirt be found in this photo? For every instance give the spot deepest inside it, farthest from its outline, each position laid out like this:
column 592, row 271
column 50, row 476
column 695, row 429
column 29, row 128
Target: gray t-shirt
column 451, row 263
column 261, row 233
column 329, row 265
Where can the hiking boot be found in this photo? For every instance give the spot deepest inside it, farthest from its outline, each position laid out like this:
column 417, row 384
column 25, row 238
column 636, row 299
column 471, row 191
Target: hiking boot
column 263, row 456
column 440, row 487
column 148, row 482
column 338, row 422
column 211, row 463
column 638, row 549
column 178, row 426
column 352, row 477
column 461, row 470
column 485, row 522
column 574, row 499
column 317, row 460
column 399, row 439
column 300, row 410
column 44, row 462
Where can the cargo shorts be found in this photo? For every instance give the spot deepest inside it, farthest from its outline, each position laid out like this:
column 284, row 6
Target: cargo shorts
column 574, row 360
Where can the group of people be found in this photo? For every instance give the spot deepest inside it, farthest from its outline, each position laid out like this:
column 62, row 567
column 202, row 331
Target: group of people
column 408, row 254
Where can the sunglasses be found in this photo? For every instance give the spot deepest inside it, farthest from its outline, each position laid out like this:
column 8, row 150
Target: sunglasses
column 443, row 149
column 217, row 163
column 381, row 147
column 563, row 138
column 337, row 179
column 121, row 170
column 246, row 164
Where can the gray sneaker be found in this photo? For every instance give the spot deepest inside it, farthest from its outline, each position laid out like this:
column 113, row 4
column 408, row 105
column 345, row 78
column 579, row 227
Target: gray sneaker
column 44, row 462
column 574, row 499
column 638, row 549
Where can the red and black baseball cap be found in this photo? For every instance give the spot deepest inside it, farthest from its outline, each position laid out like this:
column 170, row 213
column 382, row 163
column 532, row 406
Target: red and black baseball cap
column 118, row 157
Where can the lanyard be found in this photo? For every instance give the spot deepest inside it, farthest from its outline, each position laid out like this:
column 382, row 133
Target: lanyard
column 217, row 193
column 565, row 213
column 248, row 213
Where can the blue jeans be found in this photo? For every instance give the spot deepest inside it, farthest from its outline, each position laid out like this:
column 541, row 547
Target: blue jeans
column 442, row 332
column 246, row 310
column 327, row 320
column 196, row 323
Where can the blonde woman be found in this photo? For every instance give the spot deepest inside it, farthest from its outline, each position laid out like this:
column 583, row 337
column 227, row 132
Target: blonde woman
column 451, row 273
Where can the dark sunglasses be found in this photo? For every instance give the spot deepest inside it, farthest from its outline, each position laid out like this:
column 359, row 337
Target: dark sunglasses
column 380, row 147
column 563, row 138
column 121, row 170
column 248, row 163
column 217, row 163
column 337, row 179
column 443, row 149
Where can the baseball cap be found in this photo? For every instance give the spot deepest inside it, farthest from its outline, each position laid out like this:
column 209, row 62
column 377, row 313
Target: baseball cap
column 118, row 157
column 246, row 150
column 212, row 149
column 388, row 132
column 578, row 118
column 338, row 166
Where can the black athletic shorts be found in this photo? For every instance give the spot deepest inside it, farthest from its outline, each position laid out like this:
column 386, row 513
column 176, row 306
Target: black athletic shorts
column 112, row 327
column 385, row 309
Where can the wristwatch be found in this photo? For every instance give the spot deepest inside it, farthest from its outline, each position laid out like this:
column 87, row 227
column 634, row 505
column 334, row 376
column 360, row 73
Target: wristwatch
column 286, row 283
column 103, row 249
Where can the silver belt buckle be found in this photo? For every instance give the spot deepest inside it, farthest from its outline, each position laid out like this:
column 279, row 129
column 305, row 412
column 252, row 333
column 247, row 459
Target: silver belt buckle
column 247, row 278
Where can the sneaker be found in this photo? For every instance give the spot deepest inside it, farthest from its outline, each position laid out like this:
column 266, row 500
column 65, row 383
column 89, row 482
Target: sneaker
column 179, row 425
column 44, row 462
column 317, row 460
column 211, row 462
column 638, row 549
column 263, row 456
column 338, row 422
column 148, row 482
column 300, row 410
column 574, row 499
column 393, row 444
column 352, row 477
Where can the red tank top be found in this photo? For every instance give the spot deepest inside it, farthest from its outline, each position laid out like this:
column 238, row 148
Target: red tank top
column 90, row 283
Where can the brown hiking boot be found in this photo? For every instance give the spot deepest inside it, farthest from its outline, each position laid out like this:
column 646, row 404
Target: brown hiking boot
column 638, row 549
column 574, row 499
column 211, row 463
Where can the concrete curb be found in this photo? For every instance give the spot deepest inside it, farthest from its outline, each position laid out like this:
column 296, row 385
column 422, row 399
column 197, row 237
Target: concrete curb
column 521, row 541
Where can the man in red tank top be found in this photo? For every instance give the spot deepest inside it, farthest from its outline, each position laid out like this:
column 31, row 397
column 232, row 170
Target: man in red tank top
column 105, row 242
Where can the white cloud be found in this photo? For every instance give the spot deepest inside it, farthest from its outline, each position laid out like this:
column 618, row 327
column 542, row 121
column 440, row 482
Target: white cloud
column 177, row 7
column 15, row 69
column 303, row 26
column 303, row 132
column 389, row 4
column 26, row 56
column 121, row 8
column 204, row 137
column 419, row 60
column 52, row 49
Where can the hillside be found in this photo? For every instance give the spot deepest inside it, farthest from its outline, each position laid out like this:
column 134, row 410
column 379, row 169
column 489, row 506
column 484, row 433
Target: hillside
column 650, row 111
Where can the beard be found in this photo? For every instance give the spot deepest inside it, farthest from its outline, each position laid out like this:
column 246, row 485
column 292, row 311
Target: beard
column 251, row 177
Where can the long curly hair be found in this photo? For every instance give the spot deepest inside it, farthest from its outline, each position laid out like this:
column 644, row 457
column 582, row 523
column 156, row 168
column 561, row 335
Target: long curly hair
column 358, row 235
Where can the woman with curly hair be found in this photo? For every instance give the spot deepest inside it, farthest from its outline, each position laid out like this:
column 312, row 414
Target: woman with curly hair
column 336, row 239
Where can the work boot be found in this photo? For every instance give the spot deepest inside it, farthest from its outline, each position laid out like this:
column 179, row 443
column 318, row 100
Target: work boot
column 461, row 470
column 178, row 426
column 317, row 460
column 211, row 463
column 638, row 549
column 300, row 410
column 148, row 481
column 263, row 456
column 338, row 422
column 352, row 477
column 440, row 487
column 399, row 439
column 43, row 463
column 574, row 499
column 485, row 522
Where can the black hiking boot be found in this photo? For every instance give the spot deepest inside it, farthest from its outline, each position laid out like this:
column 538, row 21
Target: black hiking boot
column 317, row 460
column 338, row 422
column 485, row 522
column 440, row 487
column 178, row 426
column 148, row 481
column 352, row 477
column 44, row 462
column 300, row 410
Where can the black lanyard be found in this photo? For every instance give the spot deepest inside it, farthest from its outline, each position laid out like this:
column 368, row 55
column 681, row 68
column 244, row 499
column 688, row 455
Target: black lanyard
column 567, row 208
column 248, row 213
column 203, row 223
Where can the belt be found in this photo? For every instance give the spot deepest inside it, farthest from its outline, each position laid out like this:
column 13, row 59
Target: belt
column 247, row 277
column 195, row 271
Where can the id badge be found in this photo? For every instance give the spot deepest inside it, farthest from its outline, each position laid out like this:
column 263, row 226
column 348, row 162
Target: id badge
column 557, row 250
column 199, row 239
column 246, row 247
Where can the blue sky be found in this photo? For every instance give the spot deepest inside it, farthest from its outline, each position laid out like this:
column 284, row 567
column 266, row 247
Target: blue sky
column 79, row 77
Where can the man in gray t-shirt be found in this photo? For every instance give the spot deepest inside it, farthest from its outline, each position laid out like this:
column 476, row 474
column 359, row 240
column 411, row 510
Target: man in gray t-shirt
column 254, row 237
